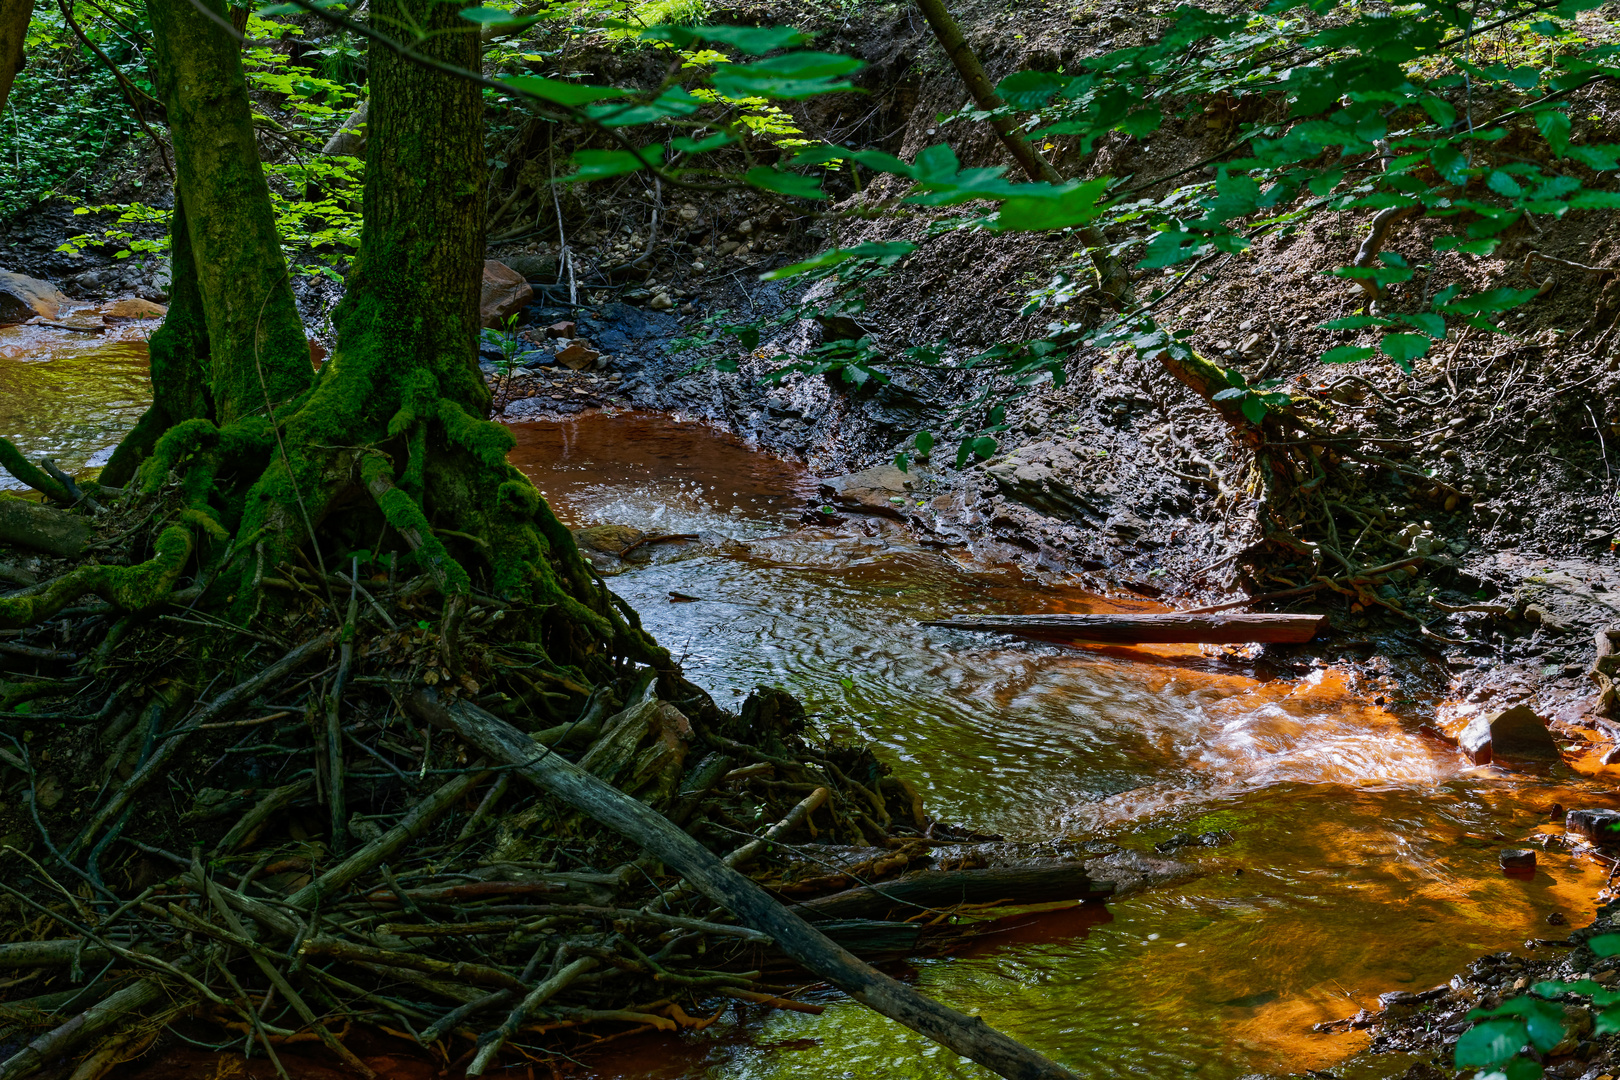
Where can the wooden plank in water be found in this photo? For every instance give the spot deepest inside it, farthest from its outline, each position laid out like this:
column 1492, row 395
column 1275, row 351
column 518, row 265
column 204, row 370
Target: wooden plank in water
column 1150, row 629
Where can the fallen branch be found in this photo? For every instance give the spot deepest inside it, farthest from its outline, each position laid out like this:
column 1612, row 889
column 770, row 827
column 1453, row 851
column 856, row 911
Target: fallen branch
column 969, row 1036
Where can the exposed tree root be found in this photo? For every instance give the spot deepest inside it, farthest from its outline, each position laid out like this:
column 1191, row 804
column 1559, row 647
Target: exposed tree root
column 356, row 858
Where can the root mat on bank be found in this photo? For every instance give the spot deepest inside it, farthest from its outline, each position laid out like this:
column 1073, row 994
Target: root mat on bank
column 357, row 824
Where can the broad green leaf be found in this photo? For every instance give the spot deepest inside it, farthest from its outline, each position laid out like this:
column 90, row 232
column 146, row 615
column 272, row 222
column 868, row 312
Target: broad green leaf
column 749, row 39
column 1353, row 322
column 683, row 145
column 924, row 442
column 1604, row 945
column 1404, row 348
column 1253, row 408
column 1493, row 300
column 1503, row 184
column 1073, row 207
column 885, row 254
column 672, row 102
column 1598, row 158
column 1230, row 393
column 1490, row 1044
column 784, row 183
column 486, row 16
column 876, row 160
column 597, row 164
column 1347, row 354
column 1554, row 127
column 1433, row 325
column 1545, row 1023
column 1029, row 90
column 794, row 75
column 1595, row 200
column 1608, row 1021
column 563, row 93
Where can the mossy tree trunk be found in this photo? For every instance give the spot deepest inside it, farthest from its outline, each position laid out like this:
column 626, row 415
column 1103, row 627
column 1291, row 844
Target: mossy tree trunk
column 387, row 448
column 256, row 355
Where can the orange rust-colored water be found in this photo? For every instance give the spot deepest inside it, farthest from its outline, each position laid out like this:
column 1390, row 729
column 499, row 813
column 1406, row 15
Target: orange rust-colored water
column 1363, row 858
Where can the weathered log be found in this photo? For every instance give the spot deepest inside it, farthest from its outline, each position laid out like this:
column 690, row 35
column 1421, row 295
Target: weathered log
column 88, row 1024
column 1050, row 882
column 37, row 954
column 874, row 937
column 967, row 1035
column 1161, row 629
column 43, row 528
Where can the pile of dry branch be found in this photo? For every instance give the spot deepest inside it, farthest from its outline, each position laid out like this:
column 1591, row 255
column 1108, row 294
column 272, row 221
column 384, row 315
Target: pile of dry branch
column 365, row 817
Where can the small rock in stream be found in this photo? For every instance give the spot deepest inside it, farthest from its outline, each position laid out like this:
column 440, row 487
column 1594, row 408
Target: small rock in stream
column 1517, row 859
column 1517, row 732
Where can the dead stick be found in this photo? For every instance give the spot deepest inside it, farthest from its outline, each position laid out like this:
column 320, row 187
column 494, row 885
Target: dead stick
column 537, row 997
column 105, row 1014
column 337, row 801
column 771, row 1000
column 967, row 1035
column 333, row 949
column 382, row 849
column 277, row 980
column 750, row 851
column 159, row 761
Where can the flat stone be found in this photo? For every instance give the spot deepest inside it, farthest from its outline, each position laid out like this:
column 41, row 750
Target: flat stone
column 504, row 291
column 1518, row 732
column 23, row 297
column 611, row 539
column 134, row 308
column 1602, row 827
column 881, row 489
column 565, row 329
column 577, row 356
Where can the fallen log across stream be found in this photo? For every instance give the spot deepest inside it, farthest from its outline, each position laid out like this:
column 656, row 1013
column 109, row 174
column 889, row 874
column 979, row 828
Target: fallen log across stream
column 1167, row 628
column 967, row 1035
column 1047, row 882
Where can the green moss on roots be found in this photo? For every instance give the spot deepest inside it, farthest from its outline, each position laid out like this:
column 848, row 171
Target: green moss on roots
column 135, row 589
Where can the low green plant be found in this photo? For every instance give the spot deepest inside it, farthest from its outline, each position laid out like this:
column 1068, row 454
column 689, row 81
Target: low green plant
column 1499, row 1045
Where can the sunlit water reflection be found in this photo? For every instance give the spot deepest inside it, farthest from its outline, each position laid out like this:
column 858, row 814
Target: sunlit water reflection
column 71, row 395
column 1364, row 858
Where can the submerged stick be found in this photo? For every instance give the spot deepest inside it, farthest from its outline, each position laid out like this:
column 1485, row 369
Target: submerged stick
column 967, row 1035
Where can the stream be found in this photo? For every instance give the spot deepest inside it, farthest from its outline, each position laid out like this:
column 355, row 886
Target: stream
column 1363, row 860
column 1363, row 857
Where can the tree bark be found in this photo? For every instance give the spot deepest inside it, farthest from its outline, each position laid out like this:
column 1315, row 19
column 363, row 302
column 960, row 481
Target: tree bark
column 179, row 360
column 14, row 16
column 258, row 357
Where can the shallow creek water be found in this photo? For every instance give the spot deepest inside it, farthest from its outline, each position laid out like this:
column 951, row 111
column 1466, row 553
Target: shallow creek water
column 71, row 395
column 1364, row 857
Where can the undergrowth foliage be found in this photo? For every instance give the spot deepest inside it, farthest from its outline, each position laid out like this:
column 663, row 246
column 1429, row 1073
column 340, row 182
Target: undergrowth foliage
column 1354, row 107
